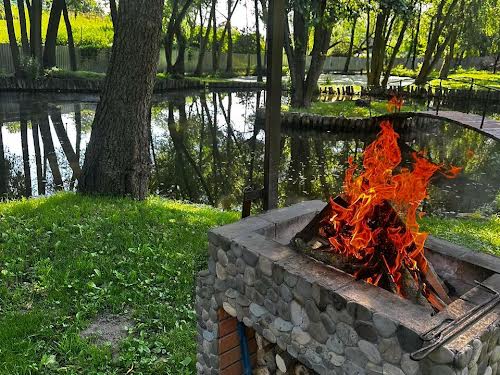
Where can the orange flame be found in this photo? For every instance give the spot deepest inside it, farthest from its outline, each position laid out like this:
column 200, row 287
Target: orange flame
column 395, row 104
column 367, row 230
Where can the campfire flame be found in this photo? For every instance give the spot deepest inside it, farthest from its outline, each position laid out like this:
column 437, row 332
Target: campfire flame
column 377, row 229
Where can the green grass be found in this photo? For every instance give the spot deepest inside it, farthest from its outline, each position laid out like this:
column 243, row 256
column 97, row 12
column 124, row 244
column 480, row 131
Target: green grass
column 66, row 259
column 347, row 108
column 474, row 233
column 79, row 74
column 89, row 30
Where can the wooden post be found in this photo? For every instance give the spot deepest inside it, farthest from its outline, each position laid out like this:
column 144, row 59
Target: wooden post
column 276, row 23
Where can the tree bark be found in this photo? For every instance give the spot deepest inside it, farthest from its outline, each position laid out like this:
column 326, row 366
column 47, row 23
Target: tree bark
column 368, row 45
column 229, row 61
column 36, row 30
column 71, row 42
column 38, row 158
column 445, row 68
column 114, row 13
column 49, row 51
column 351, row 44
column 379, row 44
column 495, row 64
column 179, row 67
column 14, row 50
column 22, row 24
column 203, row 47
column 415, row 42
column 257, row 44
column 395, row 51
column 215, row 47
column 117, row 160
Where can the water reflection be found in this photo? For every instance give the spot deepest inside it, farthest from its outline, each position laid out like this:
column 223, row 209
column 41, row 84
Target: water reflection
column 206, row 148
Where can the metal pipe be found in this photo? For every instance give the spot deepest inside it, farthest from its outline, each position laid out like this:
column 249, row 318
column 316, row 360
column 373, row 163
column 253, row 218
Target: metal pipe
column 245, row 354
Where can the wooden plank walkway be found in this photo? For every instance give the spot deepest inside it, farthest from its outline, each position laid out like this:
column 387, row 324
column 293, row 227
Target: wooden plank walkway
column 490, row 127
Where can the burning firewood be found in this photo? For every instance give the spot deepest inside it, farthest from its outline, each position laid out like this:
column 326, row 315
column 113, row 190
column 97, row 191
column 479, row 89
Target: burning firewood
column 371, row 231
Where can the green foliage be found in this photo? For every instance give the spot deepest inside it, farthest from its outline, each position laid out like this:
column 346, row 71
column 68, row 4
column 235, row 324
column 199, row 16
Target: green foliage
column 68, row 74
column 481, row 77
column 475, row 233
column 66, row 259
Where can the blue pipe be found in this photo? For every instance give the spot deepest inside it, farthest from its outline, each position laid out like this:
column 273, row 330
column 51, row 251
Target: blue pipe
column 245, row 354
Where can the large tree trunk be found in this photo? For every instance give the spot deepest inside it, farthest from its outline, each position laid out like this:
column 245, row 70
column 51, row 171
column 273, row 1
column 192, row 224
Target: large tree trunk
column 117, row 160
column 395, row 51
column 38, row 158
column 445, row 68
column 22, row 25
column 14, row 50
column 36, row 30
column 351, row 44
column 229, row 60
column 71, row 42
column 49, row 51
column 26, row 157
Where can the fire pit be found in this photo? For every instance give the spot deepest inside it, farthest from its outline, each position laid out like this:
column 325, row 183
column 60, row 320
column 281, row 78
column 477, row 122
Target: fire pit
column 350, row 287
column 326, row 319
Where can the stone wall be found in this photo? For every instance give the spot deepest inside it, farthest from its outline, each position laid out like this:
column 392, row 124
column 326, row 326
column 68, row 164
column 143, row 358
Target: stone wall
column 322, row 317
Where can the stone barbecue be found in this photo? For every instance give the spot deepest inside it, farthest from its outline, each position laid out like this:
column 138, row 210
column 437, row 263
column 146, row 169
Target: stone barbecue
column 304, row 317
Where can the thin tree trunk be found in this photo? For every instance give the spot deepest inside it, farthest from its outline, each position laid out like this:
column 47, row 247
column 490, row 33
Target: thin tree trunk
column 38, row 158
column 395, row 51
column 22, row 24
column 50, row 152
column 26, row 157
column 257, row 44
column 49, row 51
column 351, row 44
column 14, row 50
column 368, row 46
column 415, row 42
column 495, row 64
column 71, row 42
column 36, row 30
column 215, row 47
column 445, row 68
column 78, row 140
column 179, row 67
column 57, row 122
column 229, row 60
column 114, row 13
column 117, row 160
column 203, row 47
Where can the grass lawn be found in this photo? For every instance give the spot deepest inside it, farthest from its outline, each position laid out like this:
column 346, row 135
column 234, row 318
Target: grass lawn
column 475, row 233
column 68, row 259
column 348, row 108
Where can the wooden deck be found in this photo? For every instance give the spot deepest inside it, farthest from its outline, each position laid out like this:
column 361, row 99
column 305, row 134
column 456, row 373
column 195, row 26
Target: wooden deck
column 490, row 127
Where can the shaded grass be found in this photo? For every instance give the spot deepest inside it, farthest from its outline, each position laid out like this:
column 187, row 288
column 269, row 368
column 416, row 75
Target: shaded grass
column 66, row 259
column 79, row 74
column 474, row 233
column 348, row 108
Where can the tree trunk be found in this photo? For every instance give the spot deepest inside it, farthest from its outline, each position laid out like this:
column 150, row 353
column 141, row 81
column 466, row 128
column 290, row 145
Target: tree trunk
column 495, row 64
column 445, row 68
column 229, row 61
column 71, row 42
column 368, row 46
column 203, row 47
column 38, row 158
column 50, row 152
column 257, row 44
column 14, row 50
column 36, row 30
column 26, row 157
column 114, row 13
column 351, row 44
column 117, row 160
column 22, row 24
column 378, row 52
column 179, row 67
column 215, row 47
column 395, row 51
column 415, row 42
column 62, row 135
column 168, row 43
column 4, row 172
column 49, row 51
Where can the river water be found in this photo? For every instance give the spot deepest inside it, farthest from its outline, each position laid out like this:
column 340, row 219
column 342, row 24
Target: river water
column 206, row 149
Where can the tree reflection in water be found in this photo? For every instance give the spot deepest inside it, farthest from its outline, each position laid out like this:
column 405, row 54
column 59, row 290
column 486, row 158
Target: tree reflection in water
column 207, row 147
